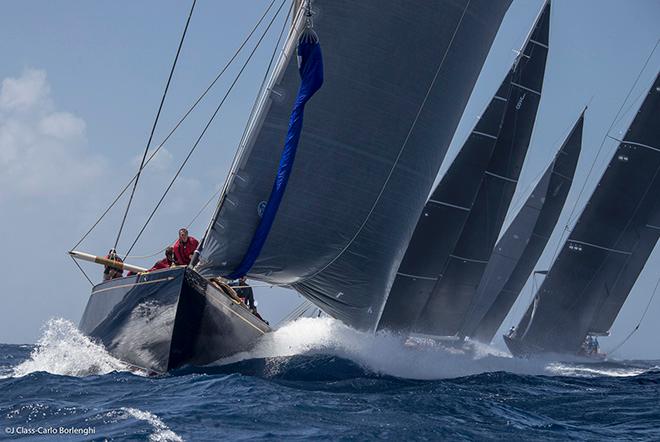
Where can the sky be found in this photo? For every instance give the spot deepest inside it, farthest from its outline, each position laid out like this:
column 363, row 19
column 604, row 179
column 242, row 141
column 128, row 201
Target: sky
column 81, row 83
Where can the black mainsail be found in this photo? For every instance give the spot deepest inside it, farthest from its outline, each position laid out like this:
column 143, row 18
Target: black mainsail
column 458, row 272
column 521, row 246
column 598, row 265
column 397, row 77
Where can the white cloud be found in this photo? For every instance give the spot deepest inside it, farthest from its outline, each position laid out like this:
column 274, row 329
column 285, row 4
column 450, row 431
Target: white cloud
column 43, row 151
column 161, row 162
column 62, row 125
column 20, row 94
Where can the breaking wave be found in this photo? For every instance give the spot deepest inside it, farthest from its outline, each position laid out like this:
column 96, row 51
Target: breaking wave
column 391, row 355
column 63, row 350
column 322, row 348
column 161, row 432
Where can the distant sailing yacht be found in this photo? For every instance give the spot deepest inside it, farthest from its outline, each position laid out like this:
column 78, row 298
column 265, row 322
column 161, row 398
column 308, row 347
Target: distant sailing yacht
column 607, row 249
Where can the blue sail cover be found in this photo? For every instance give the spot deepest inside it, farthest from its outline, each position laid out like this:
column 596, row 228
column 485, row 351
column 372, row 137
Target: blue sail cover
column 311, row 74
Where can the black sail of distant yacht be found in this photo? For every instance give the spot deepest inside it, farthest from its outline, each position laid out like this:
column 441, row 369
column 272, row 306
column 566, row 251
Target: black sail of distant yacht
column 520, row 247
column 607, row 249
column 458, row 274
column 397, row 76
column 446, row 212
column 443, row 218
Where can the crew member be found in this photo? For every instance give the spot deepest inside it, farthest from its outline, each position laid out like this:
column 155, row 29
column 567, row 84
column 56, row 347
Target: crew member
column 244, row 291
column 166, row 262
column 184, row 247
column 512, row 331
column 110, row 272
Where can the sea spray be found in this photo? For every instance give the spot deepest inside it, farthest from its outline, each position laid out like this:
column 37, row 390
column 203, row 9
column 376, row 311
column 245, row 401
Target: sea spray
column 589, row 371
column 64, row 350
column 385, row 353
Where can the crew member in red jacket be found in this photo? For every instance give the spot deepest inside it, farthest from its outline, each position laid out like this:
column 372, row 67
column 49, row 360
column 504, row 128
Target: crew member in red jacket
column 184, row 247
column 166, row 262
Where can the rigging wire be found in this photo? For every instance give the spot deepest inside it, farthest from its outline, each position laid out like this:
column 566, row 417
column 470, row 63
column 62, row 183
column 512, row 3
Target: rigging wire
column 567, row 228
column 648, row 305
column 643, row 92
column 215, row 194
column 302, row 308
column 208, row 124
column 261, row 98
column 261, row 88
column 81, row 269
column 153, row 127
column 181, row 120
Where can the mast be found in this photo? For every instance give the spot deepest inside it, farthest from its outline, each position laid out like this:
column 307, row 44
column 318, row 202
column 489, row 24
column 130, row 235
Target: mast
column 351, row 202
column 607, row 249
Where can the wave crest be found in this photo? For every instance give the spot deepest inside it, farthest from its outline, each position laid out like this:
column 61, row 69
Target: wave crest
column 64, row 350
column 393, row 355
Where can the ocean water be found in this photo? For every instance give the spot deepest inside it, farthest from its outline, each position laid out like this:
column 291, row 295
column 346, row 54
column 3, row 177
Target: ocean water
column 318, row 379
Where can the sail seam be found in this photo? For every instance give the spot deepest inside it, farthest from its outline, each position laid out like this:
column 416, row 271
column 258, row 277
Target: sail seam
column 511, row 180
column 497, row 97
column 561, row 175
column 454, row 206
column 478, row 261
column 427, row 278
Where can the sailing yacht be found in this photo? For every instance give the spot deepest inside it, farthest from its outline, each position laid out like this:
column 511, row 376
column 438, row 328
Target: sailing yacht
column 596, row 268
column 327, row 205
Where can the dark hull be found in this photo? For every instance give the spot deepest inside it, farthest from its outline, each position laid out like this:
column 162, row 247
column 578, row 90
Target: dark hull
column 169, row 318
column 519, row 348
column 522, row 349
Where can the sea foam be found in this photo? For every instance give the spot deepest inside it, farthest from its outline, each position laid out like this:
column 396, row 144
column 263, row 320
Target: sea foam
column 385, row 353
column 424, row 359
column 64, row 350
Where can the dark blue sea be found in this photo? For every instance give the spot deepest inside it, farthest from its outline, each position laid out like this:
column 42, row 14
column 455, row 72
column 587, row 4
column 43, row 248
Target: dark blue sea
column 317, row 379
